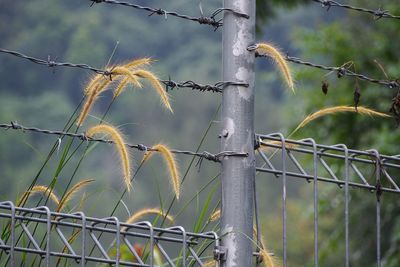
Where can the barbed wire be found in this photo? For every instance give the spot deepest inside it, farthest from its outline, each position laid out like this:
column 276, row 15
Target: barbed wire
column 169, row 84
column 378, row 14
column 82, row 136
column 217, row 87
column 52, row 64
column 158, row 11
column 341, row 71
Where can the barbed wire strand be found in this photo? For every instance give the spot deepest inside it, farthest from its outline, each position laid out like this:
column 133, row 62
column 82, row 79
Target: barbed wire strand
column 341, row 71
column 378, row 14
column 169, row 84
column 158, row 11
column 82, row 136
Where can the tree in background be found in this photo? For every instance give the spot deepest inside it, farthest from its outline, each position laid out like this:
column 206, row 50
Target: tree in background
column 371, row 46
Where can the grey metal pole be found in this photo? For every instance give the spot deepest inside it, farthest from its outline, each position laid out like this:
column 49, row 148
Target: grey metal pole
column 238, row 134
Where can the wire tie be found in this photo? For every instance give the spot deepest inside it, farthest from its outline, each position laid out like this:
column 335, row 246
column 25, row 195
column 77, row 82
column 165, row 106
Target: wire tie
column 252, row 47
column 142, row 147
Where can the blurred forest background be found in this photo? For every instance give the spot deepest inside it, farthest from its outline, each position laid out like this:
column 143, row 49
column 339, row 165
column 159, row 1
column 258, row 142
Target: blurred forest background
column 73, row 31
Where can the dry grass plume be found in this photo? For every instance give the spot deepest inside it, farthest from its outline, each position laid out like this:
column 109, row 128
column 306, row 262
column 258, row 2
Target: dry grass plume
column 92, row 96
column 116, row 137
column 276, row 55
column 139, row 214
column 215, row 216
column 99, row 83
column 265, row 147
column 156, row 85
column 138, row 62
column 71, row 192
column 335, row 110
column 39, row 189
column 266, row 258
column 170, row 161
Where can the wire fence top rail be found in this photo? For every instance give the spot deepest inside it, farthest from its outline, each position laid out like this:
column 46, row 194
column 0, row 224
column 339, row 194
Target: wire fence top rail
column 69, row 236
column 169, row 84
column 82, row 136
column 341, row 71
column 378, row 13
column 328, row 157
column 212, row 21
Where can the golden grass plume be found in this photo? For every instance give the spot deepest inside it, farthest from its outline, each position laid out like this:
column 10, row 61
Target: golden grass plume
column 94, row 83
column 99, row 83
column 71, row 192
column 335, row 110
column 156, row 85
column 210, row 263
column 265, row 147
column 170, row 161
column 92, row 96
column 125, row 72
column 267, row 259
column 39, row 189
column 215, row 215
column 143, row 212
column 138, row 62
column 120, row 87
column 121, row 147
column 276, row 55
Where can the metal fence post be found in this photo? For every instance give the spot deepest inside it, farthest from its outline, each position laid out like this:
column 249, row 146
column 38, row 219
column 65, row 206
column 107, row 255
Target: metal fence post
column 238, row 134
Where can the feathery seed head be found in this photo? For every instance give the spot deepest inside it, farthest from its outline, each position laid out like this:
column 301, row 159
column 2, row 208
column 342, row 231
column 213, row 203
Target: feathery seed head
column 266, row 258
column 138, row 62
column 127, row 74
column 139, row 214
column 276, row 55
column 156, row 85
column 265, row 147
column 147, row 211
column 338, row 109
column 41, row 189
column 71, row 192
column 210, row 263
column 120, row 87
column 93, row 83
column 121, row 147
column 91, row 99
column 215, row 216
column 170, row 161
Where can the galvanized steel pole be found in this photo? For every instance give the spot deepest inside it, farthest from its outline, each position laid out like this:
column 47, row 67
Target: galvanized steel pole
column 238, row 134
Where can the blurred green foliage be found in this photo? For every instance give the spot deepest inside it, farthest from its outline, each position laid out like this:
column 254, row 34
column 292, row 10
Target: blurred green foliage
column 357, row 38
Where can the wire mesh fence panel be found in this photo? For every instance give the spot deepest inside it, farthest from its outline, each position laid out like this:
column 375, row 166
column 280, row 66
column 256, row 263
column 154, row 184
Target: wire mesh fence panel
column 348, row 169
column 40, row 236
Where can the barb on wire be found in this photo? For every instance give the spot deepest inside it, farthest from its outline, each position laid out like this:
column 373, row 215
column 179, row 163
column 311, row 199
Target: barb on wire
column 82, row 136
column 158, row 11
column 216, row 88
column 169, row 84
column 378, row 14
column 342, row 71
